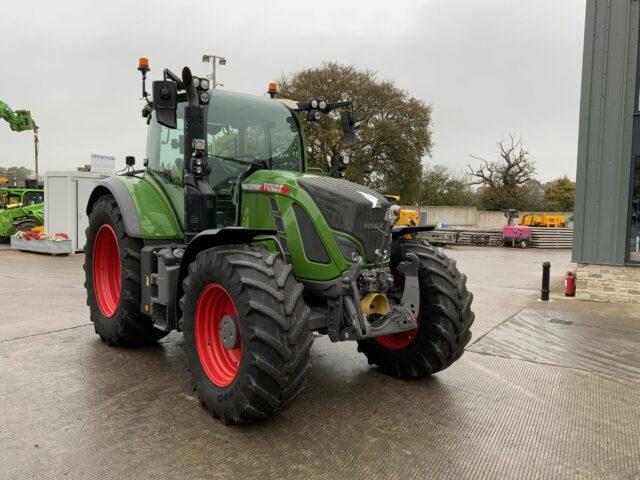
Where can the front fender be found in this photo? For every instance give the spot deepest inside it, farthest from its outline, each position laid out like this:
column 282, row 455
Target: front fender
column 213, row 238
column 116, row 187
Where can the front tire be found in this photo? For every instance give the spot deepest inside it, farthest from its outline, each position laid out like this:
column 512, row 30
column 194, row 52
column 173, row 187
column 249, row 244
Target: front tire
column 112, row 279
column 444, row 319
column 246, row 332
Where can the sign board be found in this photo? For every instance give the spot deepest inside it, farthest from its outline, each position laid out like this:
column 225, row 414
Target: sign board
column 103, row 163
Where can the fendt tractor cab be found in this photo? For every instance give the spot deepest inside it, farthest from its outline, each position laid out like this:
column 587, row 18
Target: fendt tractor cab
column 226, row 238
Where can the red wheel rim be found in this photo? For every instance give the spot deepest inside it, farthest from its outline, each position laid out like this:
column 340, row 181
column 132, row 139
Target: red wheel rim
column 219, row 364
column 107, row 283
column 397, row 341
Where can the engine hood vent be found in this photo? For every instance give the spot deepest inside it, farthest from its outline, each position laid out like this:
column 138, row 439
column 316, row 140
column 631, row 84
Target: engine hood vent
column 350, row 208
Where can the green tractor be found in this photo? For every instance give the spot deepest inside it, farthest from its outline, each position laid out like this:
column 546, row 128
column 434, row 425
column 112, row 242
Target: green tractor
column 21, row 209
column 226, row 238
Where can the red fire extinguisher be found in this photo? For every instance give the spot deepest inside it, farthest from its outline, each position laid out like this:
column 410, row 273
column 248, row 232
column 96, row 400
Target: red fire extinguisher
column 569, row 285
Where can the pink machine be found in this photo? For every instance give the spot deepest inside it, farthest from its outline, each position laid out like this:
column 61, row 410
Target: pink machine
column 516, row 235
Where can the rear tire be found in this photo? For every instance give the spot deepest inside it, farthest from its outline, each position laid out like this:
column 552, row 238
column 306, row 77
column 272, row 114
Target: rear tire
column 444, row 321
column 112, row 279
column 266, row 368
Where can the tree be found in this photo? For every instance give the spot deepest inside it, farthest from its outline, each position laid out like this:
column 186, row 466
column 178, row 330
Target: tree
column 560, row 194
column 441, row 186
column 393, row 128
column 16, row 175
column 532, row 198
column 503, row 183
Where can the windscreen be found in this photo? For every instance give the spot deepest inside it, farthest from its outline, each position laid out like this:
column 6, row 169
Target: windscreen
column 240, row 127
column 249, row 128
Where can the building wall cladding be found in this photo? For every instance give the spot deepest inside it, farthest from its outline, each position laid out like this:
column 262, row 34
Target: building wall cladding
column 608, row 283
column 605, row 131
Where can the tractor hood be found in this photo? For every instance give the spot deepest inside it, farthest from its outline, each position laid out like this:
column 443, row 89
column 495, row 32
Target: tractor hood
column 350, row 208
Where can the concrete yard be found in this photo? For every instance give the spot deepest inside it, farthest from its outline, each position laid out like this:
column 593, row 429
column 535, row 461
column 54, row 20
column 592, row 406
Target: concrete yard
column 545, row 390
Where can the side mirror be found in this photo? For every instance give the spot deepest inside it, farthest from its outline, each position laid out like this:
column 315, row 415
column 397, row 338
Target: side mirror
column 165, row 103
column 348, row 127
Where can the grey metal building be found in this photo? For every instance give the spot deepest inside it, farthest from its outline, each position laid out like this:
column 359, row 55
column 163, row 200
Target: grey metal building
column 607, row 219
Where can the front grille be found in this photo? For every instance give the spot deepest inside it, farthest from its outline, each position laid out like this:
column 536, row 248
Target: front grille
column 347, row 207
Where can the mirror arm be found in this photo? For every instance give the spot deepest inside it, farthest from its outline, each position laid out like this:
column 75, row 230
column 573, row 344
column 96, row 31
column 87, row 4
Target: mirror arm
column 174, row 78
column 334, row 105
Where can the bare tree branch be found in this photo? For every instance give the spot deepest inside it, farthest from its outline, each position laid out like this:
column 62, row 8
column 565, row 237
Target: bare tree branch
column 514, row 169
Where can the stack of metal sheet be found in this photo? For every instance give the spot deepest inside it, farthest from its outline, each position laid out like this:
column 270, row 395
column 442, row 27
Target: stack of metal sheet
column 546, row 237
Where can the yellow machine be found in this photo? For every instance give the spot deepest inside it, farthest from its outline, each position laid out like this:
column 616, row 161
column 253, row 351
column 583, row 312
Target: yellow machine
column 406, row 217
column 543, row 220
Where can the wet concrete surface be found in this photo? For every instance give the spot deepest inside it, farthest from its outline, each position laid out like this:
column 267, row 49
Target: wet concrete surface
column 511, row 407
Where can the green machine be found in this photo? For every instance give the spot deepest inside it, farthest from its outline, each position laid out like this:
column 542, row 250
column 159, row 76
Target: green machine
column 226, row 238
column 18, row 121
column 21, row 209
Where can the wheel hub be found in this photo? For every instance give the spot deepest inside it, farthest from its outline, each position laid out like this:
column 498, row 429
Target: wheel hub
column 229, row 332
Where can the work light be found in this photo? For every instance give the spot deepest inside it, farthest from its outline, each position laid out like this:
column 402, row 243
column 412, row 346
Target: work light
column 314, row 115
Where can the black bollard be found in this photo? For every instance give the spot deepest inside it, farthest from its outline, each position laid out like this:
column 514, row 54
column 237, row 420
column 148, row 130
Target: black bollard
column 546, row 272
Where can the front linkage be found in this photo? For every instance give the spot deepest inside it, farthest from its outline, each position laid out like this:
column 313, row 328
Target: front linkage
column 358, row 305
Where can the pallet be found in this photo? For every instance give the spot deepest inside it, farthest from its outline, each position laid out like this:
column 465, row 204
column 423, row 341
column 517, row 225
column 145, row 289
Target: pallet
column 441, row 237
column 541, row 237
column 486, row 237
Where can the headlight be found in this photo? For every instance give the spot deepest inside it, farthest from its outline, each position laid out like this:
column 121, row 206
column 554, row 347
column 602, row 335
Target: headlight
column 198, row 170
column 322, row 104
column 317, row 115
column 204, row 84
column 204, row 97
column 314, row 103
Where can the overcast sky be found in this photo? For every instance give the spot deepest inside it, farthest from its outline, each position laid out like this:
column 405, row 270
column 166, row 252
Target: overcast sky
column 488, row 67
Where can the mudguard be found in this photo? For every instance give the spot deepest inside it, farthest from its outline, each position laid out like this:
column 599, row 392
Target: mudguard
column 116, row 187
column 145, row 206
column 213, row 238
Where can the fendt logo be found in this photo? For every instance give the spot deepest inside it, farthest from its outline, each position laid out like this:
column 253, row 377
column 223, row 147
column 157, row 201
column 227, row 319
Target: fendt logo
column 375, row 203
